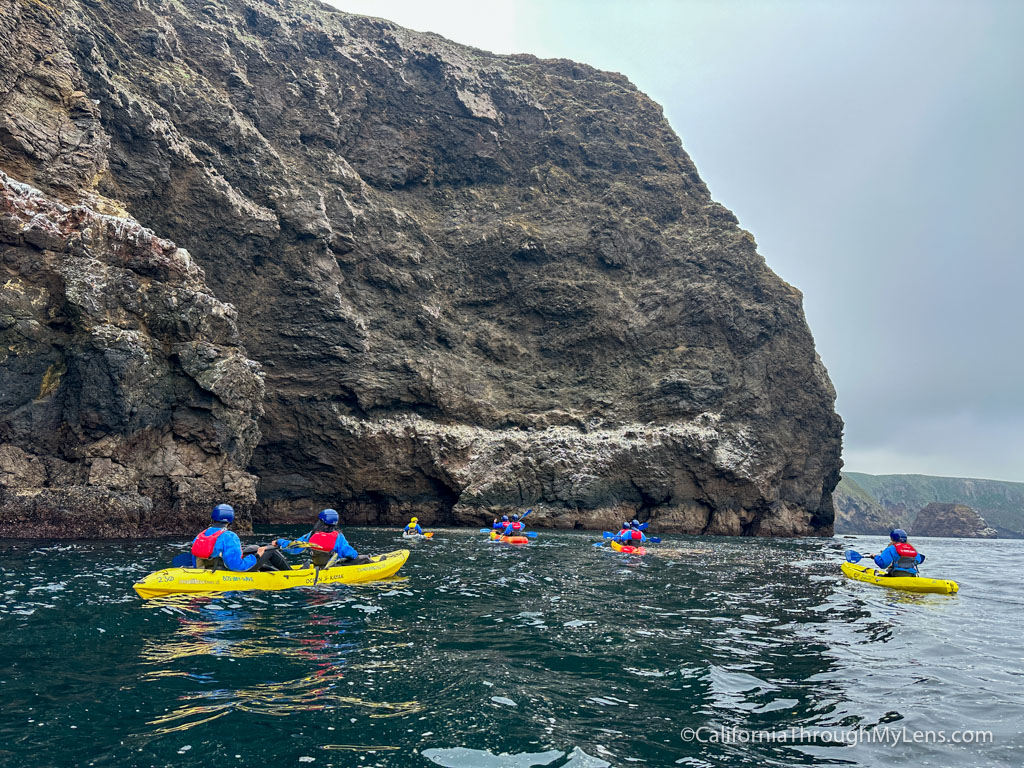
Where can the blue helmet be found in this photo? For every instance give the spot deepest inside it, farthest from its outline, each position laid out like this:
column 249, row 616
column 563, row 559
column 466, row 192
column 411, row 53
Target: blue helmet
column 223, row 513
column 515, row 517
column 898, row 535
column 329, row 516
column 504, row 518
column 635, row 523
column 625, row 525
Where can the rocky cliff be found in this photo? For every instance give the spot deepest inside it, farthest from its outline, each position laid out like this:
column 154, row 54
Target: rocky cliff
column 999, row 501
column 475, row 282
column 951, row 520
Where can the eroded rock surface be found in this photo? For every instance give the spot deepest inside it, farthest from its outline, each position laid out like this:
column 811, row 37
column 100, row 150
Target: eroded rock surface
column 126, row 403
column 476, row 282
column 956, row 521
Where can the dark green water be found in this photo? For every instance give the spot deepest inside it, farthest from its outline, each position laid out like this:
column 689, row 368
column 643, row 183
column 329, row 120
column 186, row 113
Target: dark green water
column 556, row 654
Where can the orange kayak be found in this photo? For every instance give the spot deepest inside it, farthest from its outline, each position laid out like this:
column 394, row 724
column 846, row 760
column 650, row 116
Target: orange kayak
column 509, row 539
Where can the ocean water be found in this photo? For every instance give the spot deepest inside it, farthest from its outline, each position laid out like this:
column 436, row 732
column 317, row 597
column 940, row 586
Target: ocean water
column 707, row 652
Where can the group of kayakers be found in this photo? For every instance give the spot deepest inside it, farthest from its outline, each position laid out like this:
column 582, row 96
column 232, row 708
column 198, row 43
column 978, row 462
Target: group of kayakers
column 631, row 533
column 510, row 526
column 219, row 548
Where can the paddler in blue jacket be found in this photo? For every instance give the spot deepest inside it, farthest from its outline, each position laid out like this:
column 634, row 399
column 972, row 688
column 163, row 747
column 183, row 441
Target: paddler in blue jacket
column 500, row 525
column 899, row 558
column 218, row 548
column 413, row 527
column 327, row 541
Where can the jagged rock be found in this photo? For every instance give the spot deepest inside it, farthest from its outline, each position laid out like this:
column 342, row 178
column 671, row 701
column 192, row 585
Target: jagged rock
column 956, row 521
column 476, row 282
column 126, row 402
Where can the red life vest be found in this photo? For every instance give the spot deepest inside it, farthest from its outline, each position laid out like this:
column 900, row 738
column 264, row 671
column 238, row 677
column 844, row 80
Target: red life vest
column 908, row 556
column 324, row 540
column 622, row 534
column 516, row 526
column 635, row 535
column 202, row 547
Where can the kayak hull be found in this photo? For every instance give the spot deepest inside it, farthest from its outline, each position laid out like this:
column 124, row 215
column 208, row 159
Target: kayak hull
column 417, row 536
column 509, row 539
column 183, row 581
column 869, row 575
column 627, row 549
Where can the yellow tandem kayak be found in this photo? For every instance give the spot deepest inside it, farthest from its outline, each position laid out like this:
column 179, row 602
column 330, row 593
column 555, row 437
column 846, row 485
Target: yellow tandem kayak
column 907, row 583
column 181, row 581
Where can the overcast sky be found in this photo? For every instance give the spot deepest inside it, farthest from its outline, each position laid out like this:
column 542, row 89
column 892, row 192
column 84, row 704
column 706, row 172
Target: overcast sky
column 876, row 152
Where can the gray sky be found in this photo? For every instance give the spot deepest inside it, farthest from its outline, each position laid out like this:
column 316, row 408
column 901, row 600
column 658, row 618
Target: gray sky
column 876, row 152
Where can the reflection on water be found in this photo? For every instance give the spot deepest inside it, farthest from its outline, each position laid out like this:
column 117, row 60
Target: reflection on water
column 556, row 654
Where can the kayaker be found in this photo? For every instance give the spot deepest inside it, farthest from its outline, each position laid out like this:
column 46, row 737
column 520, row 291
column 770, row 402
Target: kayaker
column 501, row 524
column 414, row 527
column 899, row 558
column 219, row 549
column 327, row 541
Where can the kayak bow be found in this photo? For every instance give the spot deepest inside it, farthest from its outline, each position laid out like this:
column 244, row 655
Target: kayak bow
column 178, row 581
column 908, row 583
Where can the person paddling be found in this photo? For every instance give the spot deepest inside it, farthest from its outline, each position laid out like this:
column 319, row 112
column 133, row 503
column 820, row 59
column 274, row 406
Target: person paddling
column 220, row 549
column 500, row 525
column 413, row 527
column 328, row 543
column 899, row 558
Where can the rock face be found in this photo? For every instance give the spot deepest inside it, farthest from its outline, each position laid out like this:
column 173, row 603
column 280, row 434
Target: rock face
column 951, row 520
column 125, row 401
column 857, row 511
column 476, row 282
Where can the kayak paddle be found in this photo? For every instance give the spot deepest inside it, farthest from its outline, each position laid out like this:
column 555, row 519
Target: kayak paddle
column 184, row 560
column 855, row 557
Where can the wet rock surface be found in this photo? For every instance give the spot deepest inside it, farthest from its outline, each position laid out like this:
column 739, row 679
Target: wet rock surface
column 951, row 520
column 475, row 283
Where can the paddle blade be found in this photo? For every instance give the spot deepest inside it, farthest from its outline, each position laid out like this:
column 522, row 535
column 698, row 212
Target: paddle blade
column 428, row 535
column 608, row 535
column 184, row 560
column 643, row 526
column 852, row 556
column 531, row 534
column 599, row 544
column 654, row 539
column 485, row 530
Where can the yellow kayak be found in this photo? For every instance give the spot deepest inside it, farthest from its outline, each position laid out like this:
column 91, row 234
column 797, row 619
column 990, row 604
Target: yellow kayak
column 181, row 581
column 908, row 583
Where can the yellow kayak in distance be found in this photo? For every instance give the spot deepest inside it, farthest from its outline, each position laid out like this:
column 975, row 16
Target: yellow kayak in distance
column 183, row 581
column 907, row 583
